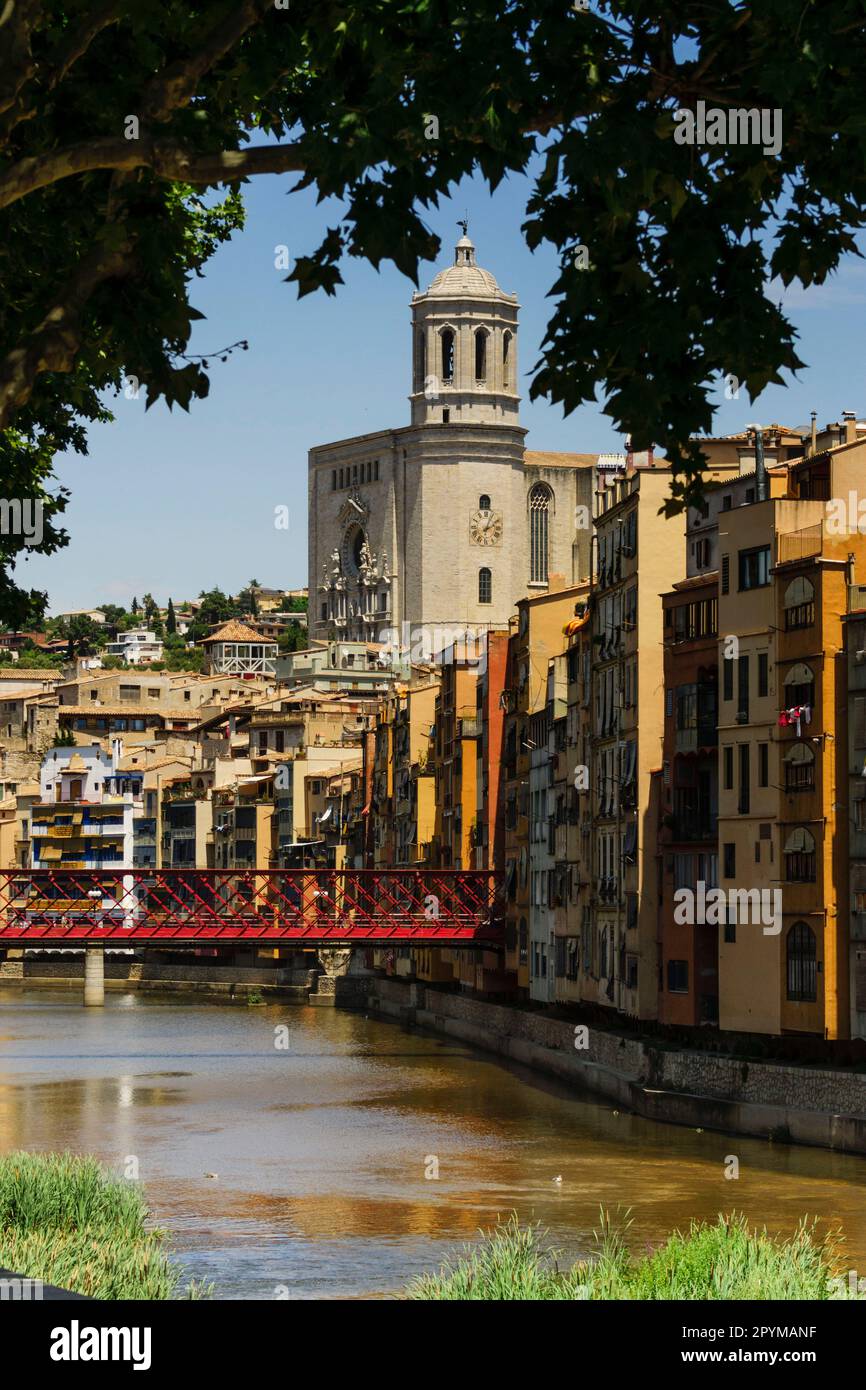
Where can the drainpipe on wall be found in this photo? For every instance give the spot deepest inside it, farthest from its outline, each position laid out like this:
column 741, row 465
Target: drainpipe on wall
column 761, row 488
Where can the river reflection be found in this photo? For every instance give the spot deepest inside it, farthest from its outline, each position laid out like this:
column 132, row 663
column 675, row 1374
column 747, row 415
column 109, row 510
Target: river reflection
column 320, row 1150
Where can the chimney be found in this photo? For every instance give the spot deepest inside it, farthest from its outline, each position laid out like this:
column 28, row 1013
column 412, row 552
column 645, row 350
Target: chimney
column 814, row 448
column 850, row 419
column 761, row 486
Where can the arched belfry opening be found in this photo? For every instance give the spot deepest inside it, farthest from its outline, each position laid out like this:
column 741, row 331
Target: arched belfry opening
column 467, row 374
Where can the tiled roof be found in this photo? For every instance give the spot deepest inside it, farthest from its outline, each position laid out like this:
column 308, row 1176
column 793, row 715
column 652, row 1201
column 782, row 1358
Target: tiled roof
column 135, row 711
column 233, row 631
column 535, row 458
column 29, row 673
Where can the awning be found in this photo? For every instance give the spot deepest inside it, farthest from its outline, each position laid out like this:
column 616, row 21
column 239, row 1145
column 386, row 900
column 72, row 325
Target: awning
column 50, row 852
column 800, row 590
column 800, row 674
column 799, row 753
column 800, row 841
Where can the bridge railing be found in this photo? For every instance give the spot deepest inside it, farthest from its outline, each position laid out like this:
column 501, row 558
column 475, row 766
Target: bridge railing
column 255, row 904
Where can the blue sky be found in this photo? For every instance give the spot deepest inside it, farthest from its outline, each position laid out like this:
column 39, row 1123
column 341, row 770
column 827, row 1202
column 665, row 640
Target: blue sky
column 176, row 503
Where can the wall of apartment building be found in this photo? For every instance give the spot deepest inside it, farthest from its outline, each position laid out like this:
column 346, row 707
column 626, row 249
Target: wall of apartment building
column 856, row 798
column 688, row 952
column 628, row 614
column 573, row 924
column 750, row 957
column 490, row 839
column 823, row 904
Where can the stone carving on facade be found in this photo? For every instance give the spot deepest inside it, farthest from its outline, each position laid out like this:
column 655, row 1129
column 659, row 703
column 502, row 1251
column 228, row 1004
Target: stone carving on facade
column 355, row 508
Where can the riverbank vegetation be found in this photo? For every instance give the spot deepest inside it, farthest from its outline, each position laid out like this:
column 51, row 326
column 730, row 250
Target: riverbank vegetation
column 66, row 1221
column 721, row 1260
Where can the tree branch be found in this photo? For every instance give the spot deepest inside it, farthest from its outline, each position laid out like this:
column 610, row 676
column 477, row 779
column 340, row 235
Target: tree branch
column 17, row 21
column 166, row 160
column 53, row 345
column 179, row 83
column 80, row 41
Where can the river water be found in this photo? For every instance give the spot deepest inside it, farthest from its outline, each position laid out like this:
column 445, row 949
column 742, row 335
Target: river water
column 323, row 1130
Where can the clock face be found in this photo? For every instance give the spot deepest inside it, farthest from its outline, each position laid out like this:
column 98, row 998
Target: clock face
column 485, row 528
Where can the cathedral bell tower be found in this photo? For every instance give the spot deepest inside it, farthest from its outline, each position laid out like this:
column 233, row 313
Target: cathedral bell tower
column 464, row 341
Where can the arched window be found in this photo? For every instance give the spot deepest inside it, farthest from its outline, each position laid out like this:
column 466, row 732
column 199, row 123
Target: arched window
column 799, row 768
column 485, row 586
column 799, row 685
column 799, row 855
column 539, row 532
column 484, row 503
column 801, row 955
column 447, row 354
column 506, row 356
column 481, row 354
column 799, row 603
column 420, row 360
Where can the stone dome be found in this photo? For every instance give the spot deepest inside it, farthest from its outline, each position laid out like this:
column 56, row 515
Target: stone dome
column 465, row 279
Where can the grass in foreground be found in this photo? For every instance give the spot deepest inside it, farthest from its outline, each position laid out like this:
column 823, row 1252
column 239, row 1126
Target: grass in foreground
column 66, row 1221
column 721, row 1260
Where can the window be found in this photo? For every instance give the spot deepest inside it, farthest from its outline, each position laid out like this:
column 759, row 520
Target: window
column 728, row 678
column 730, row 932
column 506, row 356
column 539, row 511
column 333, row 480
column 446, row 417
column 375, row 470
column 485, row 586
column 799, row 686
column 484, row 503
column 726, row 574
column 729, row 861
column 763, row 764
column 755, row 567
column 481, row 354
column 678, row 977
column 763, row 673
column 743, row 688
column 421, row 359
column 447, row 355
column 799, row 604
column 799, row 855
column 726, row 502
column 799, row 768
column 728, row 765
column 745, row 781
column 801, row 956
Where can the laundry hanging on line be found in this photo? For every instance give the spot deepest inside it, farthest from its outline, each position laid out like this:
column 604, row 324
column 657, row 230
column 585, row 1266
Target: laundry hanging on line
column 797, row 715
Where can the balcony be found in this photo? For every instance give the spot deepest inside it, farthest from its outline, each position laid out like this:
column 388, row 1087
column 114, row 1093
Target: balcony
column 692, row 828
column 799, row 545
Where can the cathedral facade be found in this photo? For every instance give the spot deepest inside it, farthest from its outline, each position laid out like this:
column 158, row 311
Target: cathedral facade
column 445, row 523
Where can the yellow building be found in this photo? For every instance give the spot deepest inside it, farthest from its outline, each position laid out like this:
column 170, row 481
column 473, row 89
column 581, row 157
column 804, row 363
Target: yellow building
column 783, row 825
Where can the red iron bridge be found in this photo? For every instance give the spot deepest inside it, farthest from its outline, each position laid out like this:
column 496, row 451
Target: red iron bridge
column 247, row 907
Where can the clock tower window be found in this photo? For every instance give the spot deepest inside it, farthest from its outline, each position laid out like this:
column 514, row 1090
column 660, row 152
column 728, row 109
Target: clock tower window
column 484, row 503
column 485, row 585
